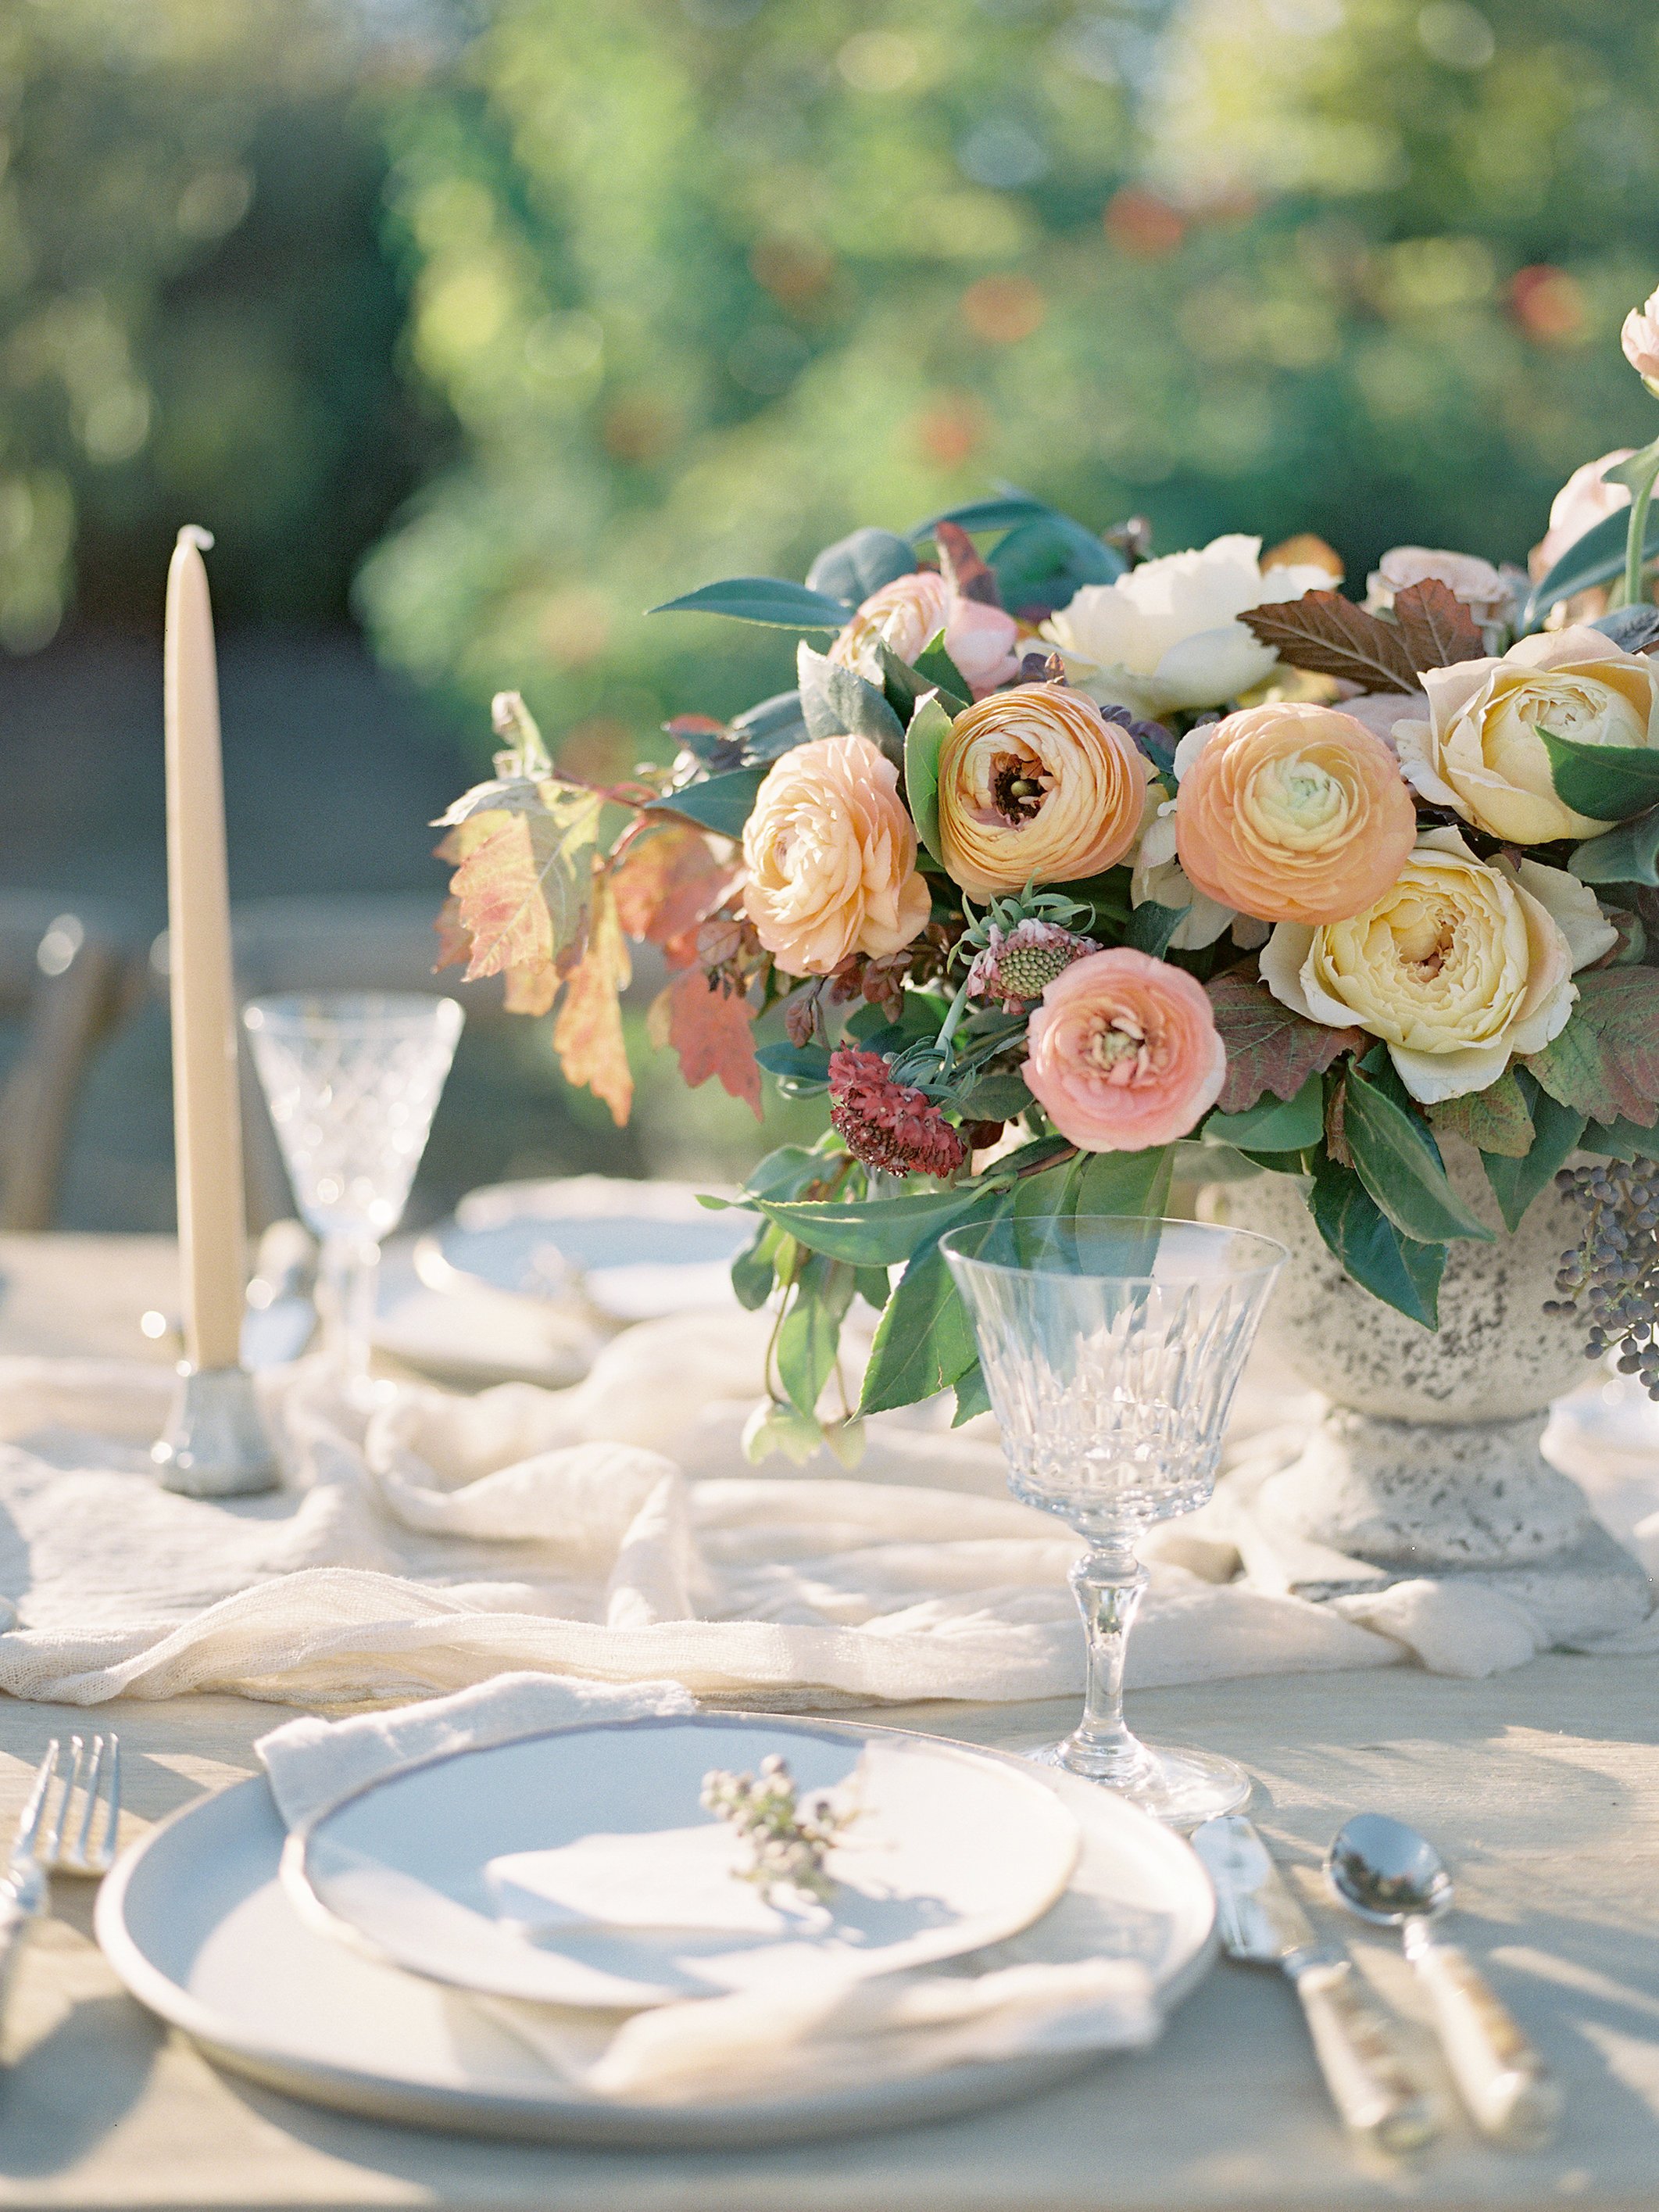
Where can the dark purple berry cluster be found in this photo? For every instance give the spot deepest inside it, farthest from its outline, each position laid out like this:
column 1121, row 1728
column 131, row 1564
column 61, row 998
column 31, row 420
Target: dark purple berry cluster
column 1611, row 1274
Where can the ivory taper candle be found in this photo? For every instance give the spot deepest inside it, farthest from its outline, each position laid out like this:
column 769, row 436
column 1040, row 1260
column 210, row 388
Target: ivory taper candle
column 206, row 1113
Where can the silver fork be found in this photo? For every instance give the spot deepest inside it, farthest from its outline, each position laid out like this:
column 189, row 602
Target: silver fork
column 39, row 1848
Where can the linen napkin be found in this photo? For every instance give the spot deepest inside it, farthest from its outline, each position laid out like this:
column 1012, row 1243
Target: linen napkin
column 727, row 2049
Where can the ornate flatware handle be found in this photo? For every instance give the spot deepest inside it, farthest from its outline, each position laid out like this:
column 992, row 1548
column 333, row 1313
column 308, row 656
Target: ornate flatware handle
column 1359, row 2054
column 1510, row 2093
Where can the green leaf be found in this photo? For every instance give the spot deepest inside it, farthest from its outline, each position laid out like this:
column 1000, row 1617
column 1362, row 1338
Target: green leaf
column 786, row 1172
column 904, row 687
column 1557, row 1130
column 1496, row 1120
column 999, row 513
column 1399, row 1163
column 924, row 1341
column 768, row 600
column 722, row 803
column 1153, row 925
column 1619, row 1140
column 1275, row 1125
column 855, row 567
column 1610, row 783
column 1403, row 1273
column 1595, row 558
column 806, row 1066
column 999, row 1096
column 873, row 1232
column 935, row 667
column 1605, row 1063
column 973, row 1395
column 753, row 1270
column 873, row 1285
column 1126, row 1182
column 1042, row 562
column 1628, row 855
column 929, row 727
column 809, row 1332
column 837, row 701
column 771, row 728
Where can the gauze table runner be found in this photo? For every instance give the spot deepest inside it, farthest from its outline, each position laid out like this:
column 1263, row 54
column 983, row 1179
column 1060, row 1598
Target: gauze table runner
column 614, row 1530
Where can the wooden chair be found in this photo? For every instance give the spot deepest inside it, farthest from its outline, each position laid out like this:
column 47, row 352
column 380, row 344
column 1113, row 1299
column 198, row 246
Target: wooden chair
column 69, row 972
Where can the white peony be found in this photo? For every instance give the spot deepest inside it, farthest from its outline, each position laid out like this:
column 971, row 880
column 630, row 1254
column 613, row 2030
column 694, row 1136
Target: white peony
column 1167, row 635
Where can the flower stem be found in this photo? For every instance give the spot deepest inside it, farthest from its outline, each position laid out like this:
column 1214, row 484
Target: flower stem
column 1640, row 472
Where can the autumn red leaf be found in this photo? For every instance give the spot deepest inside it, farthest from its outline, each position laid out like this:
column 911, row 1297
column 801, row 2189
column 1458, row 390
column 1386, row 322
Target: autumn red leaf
column 712, row 1030
column 1438, row 628
column 667, row 881
column 1269, row 1048
column 522, row 887
column 1605, row 1063
column 1328, row 635
column 588, row 1034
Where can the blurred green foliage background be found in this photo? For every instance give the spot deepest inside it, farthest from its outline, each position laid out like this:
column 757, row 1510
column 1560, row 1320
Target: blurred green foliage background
column 484, row 324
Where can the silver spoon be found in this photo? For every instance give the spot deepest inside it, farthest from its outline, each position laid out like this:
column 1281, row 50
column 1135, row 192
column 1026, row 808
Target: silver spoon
column 1389, row 1875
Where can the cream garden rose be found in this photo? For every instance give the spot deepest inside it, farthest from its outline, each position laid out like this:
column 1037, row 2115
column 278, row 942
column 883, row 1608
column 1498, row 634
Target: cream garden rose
column 831, row 855
column 1462, row 964
column 1168, row 636
column 1479, row 752
column 1035, row 786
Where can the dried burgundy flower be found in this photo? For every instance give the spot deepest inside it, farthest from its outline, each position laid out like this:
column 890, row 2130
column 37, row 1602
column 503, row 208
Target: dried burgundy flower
column 886, row 1124
column 1018, row 965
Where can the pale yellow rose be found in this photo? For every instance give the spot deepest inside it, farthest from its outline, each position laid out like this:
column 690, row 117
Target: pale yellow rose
column 1462, row 964
column 1479, row 752
column 831, row 855
column 1035, row 786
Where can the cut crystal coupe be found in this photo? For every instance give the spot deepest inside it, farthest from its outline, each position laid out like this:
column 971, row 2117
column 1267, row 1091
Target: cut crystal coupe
column 352, row 1079
column 1111, row 1347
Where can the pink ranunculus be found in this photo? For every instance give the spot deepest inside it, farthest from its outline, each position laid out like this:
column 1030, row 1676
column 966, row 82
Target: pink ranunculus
column 1124, row 1053
column 1640, row 339
column 982, row 641
column 1584, row 500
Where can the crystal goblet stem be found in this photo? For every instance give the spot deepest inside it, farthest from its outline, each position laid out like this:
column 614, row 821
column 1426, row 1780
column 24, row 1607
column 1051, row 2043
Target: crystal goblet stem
column 1108, row 1583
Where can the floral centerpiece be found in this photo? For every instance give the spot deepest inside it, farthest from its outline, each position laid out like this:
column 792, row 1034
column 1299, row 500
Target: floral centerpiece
column 1064, row 869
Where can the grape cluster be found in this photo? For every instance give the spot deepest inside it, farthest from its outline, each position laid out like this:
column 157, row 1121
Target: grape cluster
column 1612, row 1274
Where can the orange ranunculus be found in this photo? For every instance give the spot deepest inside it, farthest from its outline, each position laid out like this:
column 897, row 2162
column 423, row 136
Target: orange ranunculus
column 1124, row 1052
column 1035, row 786
column 831, row 855
column 1292, row 813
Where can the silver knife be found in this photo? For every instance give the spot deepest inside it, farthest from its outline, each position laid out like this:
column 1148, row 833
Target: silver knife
column 1356, row 2042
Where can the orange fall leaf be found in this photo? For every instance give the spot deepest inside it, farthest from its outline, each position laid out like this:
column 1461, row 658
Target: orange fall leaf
column 713, row 1032
column 588, row 1034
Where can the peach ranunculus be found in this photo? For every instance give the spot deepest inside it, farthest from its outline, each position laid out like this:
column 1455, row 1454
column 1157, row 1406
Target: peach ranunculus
column 831, row 855
column 1168, row 635
column 1479, row 752
column 1292, row 813
column 1463, row 963
column 907, row 613
column 1035, row 786
column 1584, row 500
column 1485, row 591
column 1640, row 339
column 1124, row 1052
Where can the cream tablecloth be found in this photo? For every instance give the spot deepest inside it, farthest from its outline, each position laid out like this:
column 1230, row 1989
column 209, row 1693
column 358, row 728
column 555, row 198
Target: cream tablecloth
column 1542, row 1785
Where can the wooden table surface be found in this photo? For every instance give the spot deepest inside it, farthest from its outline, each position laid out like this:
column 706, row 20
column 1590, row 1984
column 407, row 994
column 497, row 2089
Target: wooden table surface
column 1541, row 1786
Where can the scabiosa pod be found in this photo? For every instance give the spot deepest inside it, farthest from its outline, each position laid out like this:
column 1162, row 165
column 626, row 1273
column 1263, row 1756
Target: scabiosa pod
column 1015, row 966
column 886, row 1124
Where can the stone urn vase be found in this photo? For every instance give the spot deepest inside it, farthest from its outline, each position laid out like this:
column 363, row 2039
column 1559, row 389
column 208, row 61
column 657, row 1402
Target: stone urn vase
column 1428, row 1461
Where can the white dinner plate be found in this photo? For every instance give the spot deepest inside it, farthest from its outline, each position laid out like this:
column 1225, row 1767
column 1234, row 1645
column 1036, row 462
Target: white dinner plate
column 632, row 1251
column 508, row 1869
column 198, row 1924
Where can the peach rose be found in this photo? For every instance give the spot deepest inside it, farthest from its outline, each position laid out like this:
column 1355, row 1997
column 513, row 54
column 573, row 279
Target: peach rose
column 907, row 613
column 1584, row 500
column 1035, row 786
column 1124, row 1053
column 1640, row 339
column 1292, row 813
column 831, row 855
column 1479, row 752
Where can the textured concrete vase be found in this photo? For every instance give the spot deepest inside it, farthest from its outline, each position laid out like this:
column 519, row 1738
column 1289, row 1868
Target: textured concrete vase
column 1427, row 1462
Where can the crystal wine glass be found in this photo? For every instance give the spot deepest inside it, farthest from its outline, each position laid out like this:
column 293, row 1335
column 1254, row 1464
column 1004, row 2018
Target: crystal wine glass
column 352, row 1079
column 1111, row 1347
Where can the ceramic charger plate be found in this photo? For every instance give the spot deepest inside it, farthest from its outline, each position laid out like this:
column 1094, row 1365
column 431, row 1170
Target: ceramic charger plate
column 199, row 1925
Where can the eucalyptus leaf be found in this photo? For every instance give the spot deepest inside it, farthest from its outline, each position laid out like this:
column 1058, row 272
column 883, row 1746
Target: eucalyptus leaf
column 1276, row 1125
column 855, row 567
column 929, row 727
column 1400, row 1164
column 721, row 803
column 1595, row 558
column 770, row 599
column 1609, row 783
column 1404, row 1273
column 1628, row 855
column 837, row 701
